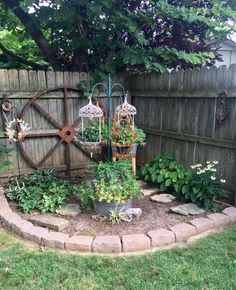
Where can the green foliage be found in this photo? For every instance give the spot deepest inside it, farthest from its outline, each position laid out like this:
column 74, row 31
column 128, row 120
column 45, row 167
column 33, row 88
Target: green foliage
column 126, row 135
column 115, row 217
column 4, row 152
column 107, row 36
column 111, row 182
column 42, row 190
column 91, row 132
column 198, row 186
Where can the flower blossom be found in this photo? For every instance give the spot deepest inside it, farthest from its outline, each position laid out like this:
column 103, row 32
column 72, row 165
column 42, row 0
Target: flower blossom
column 213, row 178
column 222, row 180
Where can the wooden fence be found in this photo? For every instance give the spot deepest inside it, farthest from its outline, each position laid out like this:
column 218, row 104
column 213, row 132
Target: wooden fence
column 178, row 112
column 20, row 86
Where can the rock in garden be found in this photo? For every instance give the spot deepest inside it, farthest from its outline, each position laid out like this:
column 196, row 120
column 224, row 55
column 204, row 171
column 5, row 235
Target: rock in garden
column 163, row 198
column 71, row 209
column 187, row 209
column 49, row 221
column 127, row 215
column 150, row 191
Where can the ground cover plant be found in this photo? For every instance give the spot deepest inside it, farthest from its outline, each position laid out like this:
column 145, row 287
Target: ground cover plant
column 198, row 184
column 42, row 190
column 4, row 152
column 208, row 264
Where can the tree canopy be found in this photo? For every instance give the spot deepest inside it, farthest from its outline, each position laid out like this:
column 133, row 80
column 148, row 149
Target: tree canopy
column 113, row 35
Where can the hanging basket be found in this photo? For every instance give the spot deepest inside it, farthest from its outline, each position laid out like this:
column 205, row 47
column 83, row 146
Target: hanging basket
column 94, row 148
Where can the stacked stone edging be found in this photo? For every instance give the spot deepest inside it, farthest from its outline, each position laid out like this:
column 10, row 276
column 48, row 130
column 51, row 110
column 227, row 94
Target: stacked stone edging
column 130, row 243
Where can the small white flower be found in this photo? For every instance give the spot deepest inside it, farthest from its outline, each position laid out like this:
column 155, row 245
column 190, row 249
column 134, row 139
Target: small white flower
column 192, row 166
column 213, row 178
column 208, row 162
column 222, row 180
column 215, row 162
column 213, row 170
column 198, row 173
column 198, row 165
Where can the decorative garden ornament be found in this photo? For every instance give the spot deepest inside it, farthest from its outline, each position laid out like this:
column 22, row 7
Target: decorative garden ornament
column 91, row 112
column 126, row 112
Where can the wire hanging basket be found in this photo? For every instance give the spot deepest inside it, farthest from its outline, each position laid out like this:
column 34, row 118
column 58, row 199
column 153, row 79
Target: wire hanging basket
column 90, row 135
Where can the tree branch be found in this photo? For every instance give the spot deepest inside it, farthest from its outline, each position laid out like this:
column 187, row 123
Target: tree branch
column 21, row 59
column 35, row 33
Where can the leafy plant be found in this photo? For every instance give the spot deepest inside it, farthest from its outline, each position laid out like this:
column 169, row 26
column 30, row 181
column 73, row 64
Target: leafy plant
column 111, row 182
column 90, row 132
column 4, row 152
column 115, row 217
column 126, row 135
column 198, row 185
column 42, row 190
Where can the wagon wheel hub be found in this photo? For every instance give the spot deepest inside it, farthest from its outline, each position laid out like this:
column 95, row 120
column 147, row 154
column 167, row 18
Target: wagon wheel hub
column 67, row 133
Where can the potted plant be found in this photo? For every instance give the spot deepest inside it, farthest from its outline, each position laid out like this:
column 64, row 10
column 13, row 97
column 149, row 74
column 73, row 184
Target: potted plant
column 89, row 137
column 126, row 138
column 111, row 188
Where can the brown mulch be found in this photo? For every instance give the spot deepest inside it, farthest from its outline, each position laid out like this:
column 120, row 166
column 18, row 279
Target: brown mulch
column 154, row 216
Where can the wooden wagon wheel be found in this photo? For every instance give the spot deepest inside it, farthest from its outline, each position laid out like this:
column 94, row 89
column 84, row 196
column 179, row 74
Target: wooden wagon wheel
column 65, row 133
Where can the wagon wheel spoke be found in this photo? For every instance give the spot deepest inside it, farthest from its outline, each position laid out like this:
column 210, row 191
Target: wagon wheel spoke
column 68, row 159
column 76, row 123
column 46, row 115
column 50, row 152
column 42, row 133
column 65, row 93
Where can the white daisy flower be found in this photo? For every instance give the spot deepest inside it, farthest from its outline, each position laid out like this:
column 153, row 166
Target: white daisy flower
column 213, row 178
column 222, row 180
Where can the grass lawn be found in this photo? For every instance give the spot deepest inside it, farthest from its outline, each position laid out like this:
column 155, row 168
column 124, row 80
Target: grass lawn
column 208, row 264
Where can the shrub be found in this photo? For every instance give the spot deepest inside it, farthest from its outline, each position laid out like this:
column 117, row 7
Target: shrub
column 198, row 185
column 42, row 190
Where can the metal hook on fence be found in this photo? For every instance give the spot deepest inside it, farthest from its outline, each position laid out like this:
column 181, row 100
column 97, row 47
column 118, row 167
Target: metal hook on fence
column 221, row 107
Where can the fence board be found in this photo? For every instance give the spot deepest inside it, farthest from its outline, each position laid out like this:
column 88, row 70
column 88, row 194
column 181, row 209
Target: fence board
column 178, row 110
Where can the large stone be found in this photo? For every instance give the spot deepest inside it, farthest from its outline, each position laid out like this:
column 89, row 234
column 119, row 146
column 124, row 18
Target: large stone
column 161, row 237
column 55, row 240
column 187, row 209
column 51, row 222
column 231, row 212
column 79, row 243
column 202, row 224
column 163, row 198
column 107, row 244
column 219, row 219
column 150, row 191
column 183, row 231
column 135, row 243
column 71, row 209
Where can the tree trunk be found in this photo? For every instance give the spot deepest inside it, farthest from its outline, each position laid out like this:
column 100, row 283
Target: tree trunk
column 36, row 34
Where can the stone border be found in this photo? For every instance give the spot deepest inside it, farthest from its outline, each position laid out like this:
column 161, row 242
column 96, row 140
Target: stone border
column 127, row 244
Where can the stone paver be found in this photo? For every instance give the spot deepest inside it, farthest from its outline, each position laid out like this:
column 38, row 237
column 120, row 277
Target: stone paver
column 163, row 198
column 187, row 209
column 19, row 226
column 231, row 212
column 135, row 243
column 79, row 243
column 183, row 231
column 55, row 240
column 150, row 191
column 219, row 219
column 71, row 209
column 51, row 222
column 8, row 218
column 202, row 224
column 107, row 244
column 34, row 233
column 161, row 237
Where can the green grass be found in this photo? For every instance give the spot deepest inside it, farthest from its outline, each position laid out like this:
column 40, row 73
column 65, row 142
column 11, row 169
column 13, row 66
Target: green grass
column 208, row 264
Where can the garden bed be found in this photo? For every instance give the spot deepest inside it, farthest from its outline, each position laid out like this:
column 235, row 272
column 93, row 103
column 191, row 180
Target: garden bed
column 154, row 216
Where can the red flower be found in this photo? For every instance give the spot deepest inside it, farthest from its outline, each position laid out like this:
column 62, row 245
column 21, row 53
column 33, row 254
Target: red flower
column 117, row 129
column 116, row 136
